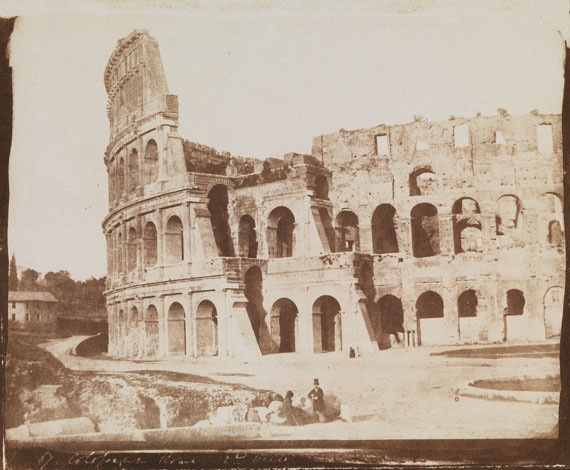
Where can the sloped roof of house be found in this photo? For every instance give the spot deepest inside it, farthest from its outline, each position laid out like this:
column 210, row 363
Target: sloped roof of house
column 30, row 296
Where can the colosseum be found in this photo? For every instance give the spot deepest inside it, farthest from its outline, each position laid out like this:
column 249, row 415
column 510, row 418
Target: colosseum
column 426, row 233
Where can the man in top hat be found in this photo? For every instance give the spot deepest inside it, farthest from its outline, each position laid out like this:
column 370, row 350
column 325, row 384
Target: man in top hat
column 316, row 395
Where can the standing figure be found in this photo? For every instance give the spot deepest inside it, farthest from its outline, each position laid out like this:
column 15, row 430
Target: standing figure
column 316, row 395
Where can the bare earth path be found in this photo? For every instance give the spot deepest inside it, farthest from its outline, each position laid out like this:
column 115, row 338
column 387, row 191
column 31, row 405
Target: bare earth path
column 393, row 394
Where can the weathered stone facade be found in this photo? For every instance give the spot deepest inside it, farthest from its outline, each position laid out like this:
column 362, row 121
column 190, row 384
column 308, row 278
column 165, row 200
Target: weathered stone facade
column 422, row 233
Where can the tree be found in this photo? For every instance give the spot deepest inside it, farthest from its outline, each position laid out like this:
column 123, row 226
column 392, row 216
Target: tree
column 13, row 276
column 29, row 280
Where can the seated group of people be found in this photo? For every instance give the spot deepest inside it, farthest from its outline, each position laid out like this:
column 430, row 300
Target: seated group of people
column 296, row 416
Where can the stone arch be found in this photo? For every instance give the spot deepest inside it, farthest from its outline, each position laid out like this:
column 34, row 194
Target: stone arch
column 218, row 206
column 121, row 178
column 425, row 231
column 384, row 238
column 390, row 318
column 347, row 232
column 515, row 302
column 120, row 254
column 254, row 294
column 206, row 329
column 150, row 245
column 176, row 330
column 132, row 250
column 467, row 230
column 321, row 187
column 553, row 308
column 150, row 163
column 423, row 181
column 174, row 240
column 284, row 325
column 134, row 322
column 327, row 324
column 429, row 309
column 509, row 219
column 247, row 238
column 280, row 233
column 133, row 170
column 467, row 303
column 151, row 331
column 554, row 215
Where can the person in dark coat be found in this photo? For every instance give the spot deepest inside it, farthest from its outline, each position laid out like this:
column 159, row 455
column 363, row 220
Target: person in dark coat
column 317, row 396
column 290, row 412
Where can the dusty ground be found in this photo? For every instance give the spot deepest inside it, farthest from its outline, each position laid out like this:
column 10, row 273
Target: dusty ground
column 393, row 394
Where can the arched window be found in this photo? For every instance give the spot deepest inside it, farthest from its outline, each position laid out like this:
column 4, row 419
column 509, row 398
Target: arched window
column 423, row 181
column 384, row 238
column 121, row 178
column 132, row 250
column 281, row 225
column 555, row 234
column 321, row 187
column 120, row 254
column 247, row 238
column 467, row 304
column 133, row 170
column 151, row 331
column 425, row 231
column 347, row 232
column 150, row 164
column 207, row 329
column 284, row 317
column 515, row 302
column 218, row 207
column 467, row 234
column 429, row 305
column 176, row 330
column 509, row 215
column 327, row 321
column 552, row 211
column 149, row 243
column 173, row 240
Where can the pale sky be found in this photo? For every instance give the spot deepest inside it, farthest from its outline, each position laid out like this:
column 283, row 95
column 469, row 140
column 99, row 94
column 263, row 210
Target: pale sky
column 256, row 79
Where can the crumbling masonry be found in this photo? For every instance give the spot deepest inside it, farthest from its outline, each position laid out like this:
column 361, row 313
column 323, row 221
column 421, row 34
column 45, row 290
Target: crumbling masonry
column 415, row 234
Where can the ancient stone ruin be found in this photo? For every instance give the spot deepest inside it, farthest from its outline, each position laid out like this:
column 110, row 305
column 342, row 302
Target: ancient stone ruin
column 415, row 234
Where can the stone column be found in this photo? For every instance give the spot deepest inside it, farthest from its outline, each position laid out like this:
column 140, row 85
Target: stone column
column 187, row 303
column 159, row 238
column 162, row 328
column 186, row 236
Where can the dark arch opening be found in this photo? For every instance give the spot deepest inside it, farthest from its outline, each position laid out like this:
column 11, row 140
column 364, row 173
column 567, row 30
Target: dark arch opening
column 425, row 231
column 422, row 181
column 467, row 234
column 207, row 329
column 347, row 232
column 149, row 243
column 429, row 305
column 247, row 238
column 121, row 176
column 176, row 330
column 284, row 325
column 151, row 331
column 327, row 328
column 384, row 238
column 515, row 302
column 467, row 304
column 150, row 162
column 133, row 170
column 174, row 240
column 281, row 226
column 132, row 250
column 218, row 206
column 391, row 315
column 254, row 295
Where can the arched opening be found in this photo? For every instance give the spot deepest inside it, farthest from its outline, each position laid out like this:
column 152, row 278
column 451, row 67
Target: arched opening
column 120, row 254
column 425, row 231
column 206, row 329
column 122, row 331
column 467, row 304
column 509, row 221
column 133, row 170
column 132, row 250
column 150, row 165
column 467, row 233
column 327, row 326
column 149, row 242
column 218, row 207
column 151, row 331
column 515, row 302
column 280, row 228
column 554, row 218
column 553, row 302
column 429, row 312
column 247, row 239
column 391, row 316
column 134, row 322
column 321, row 187
column 422, row 182
column 384, row 238
column 121, row 178
column 347, row 233
column 173, row 240
column 284, row 325
column 254, row 295
column 176, row 330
